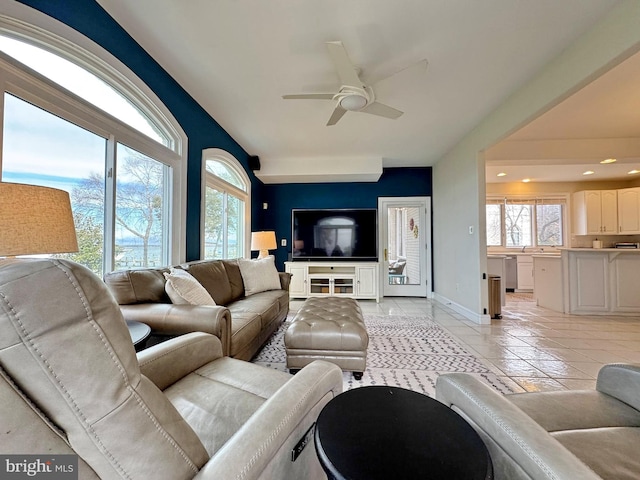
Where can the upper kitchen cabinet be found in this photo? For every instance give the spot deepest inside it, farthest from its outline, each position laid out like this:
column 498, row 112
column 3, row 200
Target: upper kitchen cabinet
column 629, row 210
column 595, row 212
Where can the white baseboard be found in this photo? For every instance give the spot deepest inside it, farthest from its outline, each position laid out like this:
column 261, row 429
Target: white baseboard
column 464, row 311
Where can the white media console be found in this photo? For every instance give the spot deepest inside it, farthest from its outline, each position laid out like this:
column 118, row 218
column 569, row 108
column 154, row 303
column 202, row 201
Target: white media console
column 340, row 279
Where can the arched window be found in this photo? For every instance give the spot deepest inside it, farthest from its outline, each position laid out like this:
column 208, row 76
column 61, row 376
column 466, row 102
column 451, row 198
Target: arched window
column 72, row 121
column 226, row 212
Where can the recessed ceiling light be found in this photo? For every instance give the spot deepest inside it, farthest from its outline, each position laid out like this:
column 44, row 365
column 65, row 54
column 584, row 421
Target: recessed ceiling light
column 526, row 180
column 589, row 172
column 633, row 172
column 502, row 174
column 608, row 160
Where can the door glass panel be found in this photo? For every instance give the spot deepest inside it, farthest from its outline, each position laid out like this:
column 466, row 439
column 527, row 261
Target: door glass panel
column 42, row 149
column 139, row 222
column 403, row 245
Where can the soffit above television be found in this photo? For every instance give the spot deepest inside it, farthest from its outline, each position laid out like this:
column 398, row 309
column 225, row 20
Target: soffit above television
column 321, row 170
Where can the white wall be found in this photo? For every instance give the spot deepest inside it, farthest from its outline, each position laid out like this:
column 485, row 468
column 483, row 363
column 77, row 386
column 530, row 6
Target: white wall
column 459, row 180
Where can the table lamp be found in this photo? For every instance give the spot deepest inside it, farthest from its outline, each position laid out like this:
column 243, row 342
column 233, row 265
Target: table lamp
column 35, row 220
column 263, row 241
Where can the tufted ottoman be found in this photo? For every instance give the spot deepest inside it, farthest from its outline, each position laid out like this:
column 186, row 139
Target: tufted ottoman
column 331, row 329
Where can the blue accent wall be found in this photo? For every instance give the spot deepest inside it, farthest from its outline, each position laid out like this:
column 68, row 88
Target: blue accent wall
column 88, row 18
column 282, row 198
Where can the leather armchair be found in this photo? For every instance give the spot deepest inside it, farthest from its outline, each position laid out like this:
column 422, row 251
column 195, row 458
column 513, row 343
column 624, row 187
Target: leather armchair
column 560, row 435
column 70, row 382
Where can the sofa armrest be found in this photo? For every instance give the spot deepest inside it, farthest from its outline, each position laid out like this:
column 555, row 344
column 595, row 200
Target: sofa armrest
column 621, row 381
column 285, row 280
column 167, row 362
column 519, row 447
column 169, row 319
column 262, row 448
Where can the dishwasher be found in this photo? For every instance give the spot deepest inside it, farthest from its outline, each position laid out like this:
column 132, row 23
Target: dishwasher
column 511, row 273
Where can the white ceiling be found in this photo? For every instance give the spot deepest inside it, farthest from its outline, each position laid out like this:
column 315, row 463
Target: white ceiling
column 237, row 58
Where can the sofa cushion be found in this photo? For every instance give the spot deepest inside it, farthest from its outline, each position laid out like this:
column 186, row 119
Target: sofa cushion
column 213, row 277
column 264, row 304
column 183, row 288
column 610, row 452
column 138, row 286
column 245, row 328
column 569, row 410
column 235, row 278
column 259, row 275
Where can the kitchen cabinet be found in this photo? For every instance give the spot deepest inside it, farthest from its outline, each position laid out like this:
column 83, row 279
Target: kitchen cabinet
column 629, row 210
column 595, row 212
column 547, row 281
column 525, row 273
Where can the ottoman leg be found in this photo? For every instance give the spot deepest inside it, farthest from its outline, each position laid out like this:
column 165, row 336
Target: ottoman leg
column 357, row 375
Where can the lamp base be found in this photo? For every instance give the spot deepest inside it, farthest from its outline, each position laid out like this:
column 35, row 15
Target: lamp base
column 263, row 254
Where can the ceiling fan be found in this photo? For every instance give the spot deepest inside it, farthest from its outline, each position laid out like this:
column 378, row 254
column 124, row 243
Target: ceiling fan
column 354, row 95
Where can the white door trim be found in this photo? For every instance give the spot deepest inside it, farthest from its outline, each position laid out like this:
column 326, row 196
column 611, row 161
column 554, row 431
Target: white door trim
column 425, row 289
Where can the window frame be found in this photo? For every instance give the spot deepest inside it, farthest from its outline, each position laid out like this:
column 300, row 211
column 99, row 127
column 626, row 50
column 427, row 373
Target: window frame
column 211, row 180
column 534, row 200
column 23, row 82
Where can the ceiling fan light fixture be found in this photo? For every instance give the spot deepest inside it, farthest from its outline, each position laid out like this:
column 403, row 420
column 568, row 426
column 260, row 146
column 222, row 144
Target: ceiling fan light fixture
column 353, row 103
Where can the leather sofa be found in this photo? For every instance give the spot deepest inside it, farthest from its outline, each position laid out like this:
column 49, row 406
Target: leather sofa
column 562, row 435
column 70, row 383
column 242, row 323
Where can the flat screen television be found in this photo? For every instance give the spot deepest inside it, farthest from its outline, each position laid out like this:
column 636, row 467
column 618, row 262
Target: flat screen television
column 341, row 234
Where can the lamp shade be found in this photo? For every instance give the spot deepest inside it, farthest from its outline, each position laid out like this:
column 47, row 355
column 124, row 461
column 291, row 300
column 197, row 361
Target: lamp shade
column 35, row 220
column 263, row 241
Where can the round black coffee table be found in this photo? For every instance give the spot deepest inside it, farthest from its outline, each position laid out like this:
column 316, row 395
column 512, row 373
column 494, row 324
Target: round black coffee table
column 139, row 333
column 393, row 433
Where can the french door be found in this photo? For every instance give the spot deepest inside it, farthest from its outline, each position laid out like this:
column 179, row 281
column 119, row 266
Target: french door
column 405, row 246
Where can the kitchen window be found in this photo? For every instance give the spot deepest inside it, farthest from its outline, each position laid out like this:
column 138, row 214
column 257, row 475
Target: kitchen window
column 514, row 222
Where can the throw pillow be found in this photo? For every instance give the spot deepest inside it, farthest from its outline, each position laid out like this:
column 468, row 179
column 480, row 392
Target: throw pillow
column 183, row 288
column 259, row 275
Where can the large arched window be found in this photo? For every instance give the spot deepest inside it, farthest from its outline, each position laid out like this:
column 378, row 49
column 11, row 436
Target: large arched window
column 72, row 121
column 226, row 206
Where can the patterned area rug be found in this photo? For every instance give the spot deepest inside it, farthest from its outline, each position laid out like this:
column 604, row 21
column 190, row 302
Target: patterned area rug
column 404, row 351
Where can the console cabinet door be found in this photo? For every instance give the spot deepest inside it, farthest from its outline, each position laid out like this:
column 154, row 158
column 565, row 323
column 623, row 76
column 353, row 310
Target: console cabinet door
column 366, row 281
column 298, row 285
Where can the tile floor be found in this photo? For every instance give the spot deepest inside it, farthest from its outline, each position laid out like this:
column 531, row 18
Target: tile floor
column 532, row 348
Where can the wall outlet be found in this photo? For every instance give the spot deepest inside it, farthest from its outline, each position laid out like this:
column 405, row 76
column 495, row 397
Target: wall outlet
column 283, row 242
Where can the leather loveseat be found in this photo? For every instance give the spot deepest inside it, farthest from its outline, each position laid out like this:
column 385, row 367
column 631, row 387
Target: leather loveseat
column 559, row 435
column 243, row 323
column 70, row 383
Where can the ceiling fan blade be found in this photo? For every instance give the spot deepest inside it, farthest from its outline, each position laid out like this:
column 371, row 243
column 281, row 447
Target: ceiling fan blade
column 382, row 110
column 413, row 69
column 345, row 69
column 337, row 114
column 310, row 96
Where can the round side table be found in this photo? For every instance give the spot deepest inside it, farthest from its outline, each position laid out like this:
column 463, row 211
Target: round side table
column 388, row 432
